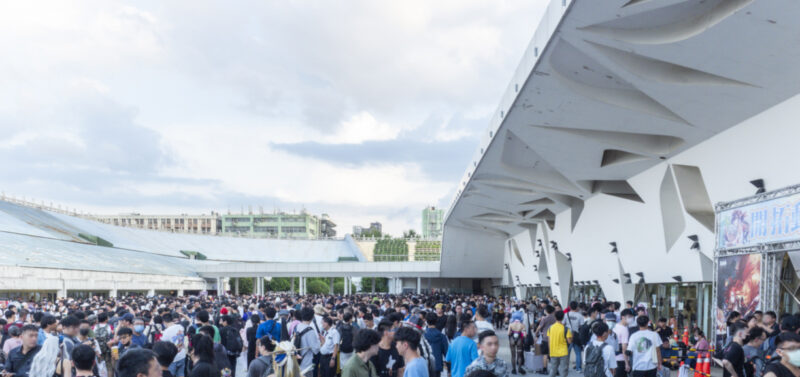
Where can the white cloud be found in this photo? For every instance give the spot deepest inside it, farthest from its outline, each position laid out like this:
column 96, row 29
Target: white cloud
column 158, row 105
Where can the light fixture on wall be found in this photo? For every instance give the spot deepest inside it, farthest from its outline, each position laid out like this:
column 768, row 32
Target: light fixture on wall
column 613, row 247
column 596, row 282
column 759, row 183
column 569, row 257
column 695, row 242
column 536, row 268
column 641, row 276
column 615, row 280
column 678, row 278
column 548, row 278
column 539, row 242
column 556, row 283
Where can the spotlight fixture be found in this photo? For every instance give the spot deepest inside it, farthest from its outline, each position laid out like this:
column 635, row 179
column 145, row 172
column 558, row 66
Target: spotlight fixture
column 548, row 278
column 627, row 275
column 641, row 276
column 615, row 280
column 597, row 282
column 516, row 277
column 569, row 257
column 695, row 242
column 556, row 283
column 613, row 247
column 536, row 268
column 678, row 278
column 759, row 183
column 539, row 241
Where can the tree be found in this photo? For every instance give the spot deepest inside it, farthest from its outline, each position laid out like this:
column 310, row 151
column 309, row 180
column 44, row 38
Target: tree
column 316, row 287
column 245, row 285
column 410, row 234
column 381, row 285
column 338, row 286
column 371, row 233
column 281, row 285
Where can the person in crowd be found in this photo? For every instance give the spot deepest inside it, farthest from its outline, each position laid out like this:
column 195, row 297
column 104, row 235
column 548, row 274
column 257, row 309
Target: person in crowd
column 787, row 347
column 733, row 354
column 387, row 361
column 13, row 340
column 174, row 333
column 166, row 352
column 600, row 359
column 201, row 351
column 489, row 345
column 83, row 360
column 463, row 351
column 437, row 340
column 558, row 339
column 641, row 345
column 365, row 346
column 250, row 335
column 262, row 365
column 138, row 362
column 20, row 359
column 329, row 348
column 310, row 341
column 753, row 353
column 407, row 340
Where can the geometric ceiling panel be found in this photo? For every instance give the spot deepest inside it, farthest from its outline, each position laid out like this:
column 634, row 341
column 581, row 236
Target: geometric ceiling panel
column 646, row 144
column 618, row 188
column 668, row 24
column 662, row 71
column 548, row 217
column 671, row 210
column 589, row 78
column 616, row 156
column 694, row 195
column 538, row 202
column 575, row 205
column 520, row 158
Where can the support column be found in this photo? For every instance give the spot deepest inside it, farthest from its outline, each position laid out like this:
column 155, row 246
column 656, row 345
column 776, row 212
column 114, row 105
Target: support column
column 180, row 292
column 347, row 285
column 331, row 287
column 236, row 289
column 419, row 285
column 373, row 285
column 292, row 279
column 151, row 292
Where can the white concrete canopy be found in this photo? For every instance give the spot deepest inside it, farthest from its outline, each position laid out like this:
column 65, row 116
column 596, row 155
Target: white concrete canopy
column 598, row 138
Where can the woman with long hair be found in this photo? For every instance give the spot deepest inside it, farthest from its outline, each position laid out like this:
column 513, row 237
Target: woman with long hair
column 201, row 351
column 45, row 362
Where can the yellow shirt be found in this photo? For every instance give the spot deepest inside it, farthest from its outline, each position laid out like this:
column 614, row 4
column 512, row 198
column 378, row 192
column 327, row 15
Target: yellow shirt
column 556, row 340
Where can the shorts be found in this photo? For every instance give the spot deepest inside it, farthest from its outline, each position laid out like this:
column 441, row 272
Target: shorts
column 545, row 347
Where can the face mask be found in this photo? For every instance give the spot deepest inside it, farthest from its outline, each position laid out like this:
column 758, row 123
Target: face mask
column 794, row 357
column 404, row 311
column 610, row 324
column 84, row 332
column 138, row 328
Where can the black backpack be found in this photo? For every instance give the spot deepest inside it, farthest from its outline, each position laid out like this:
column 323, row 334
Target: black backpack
column 346, row 334
column 298, row 337
column 594, row 363
column 233, row 342
column 284, row 330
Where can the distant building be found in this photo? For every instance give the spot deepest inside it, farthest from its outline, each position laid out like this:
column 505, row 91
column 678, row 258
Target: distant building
column 326, row 226
column 432, row 221
column 375, row 227
column 200, row 224
column 278, row 225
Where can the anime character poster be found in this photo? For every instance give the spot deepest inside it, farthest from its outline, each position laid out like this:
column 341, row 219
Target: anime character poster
column 738, row 288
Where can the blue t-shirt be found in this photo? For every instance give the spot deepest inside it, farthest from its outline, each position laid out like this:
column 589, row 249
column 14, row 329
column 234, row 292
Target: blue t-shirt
column 461, row 354
column 416, row 368
column 139, row 340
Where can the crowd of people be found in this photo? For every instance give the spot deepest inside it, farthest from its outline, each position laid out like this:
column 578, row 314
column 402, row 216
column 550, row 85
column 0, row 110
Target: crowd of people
column 287, row 335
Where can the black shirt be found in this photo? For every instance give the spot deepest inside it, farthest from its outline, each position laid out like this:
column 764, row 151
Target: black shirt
column 664, row 333
column 382, row 359
column 735, row 355
column 204, row 369
column 19, row 363
column 779, row 369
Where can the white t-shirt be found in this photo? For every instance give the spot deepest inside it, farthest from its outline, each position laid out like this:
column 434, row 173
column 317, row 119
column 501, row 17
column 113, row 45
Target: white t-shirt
column 622, row 338
column 331, row 340
column 175, row 334
column 608, row 357
column 643, row 345
column 482, row 326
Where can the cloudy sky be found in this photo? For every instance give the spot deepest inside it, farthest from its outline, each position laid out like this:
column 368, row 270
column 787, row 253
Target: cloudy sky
column 366, row 110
